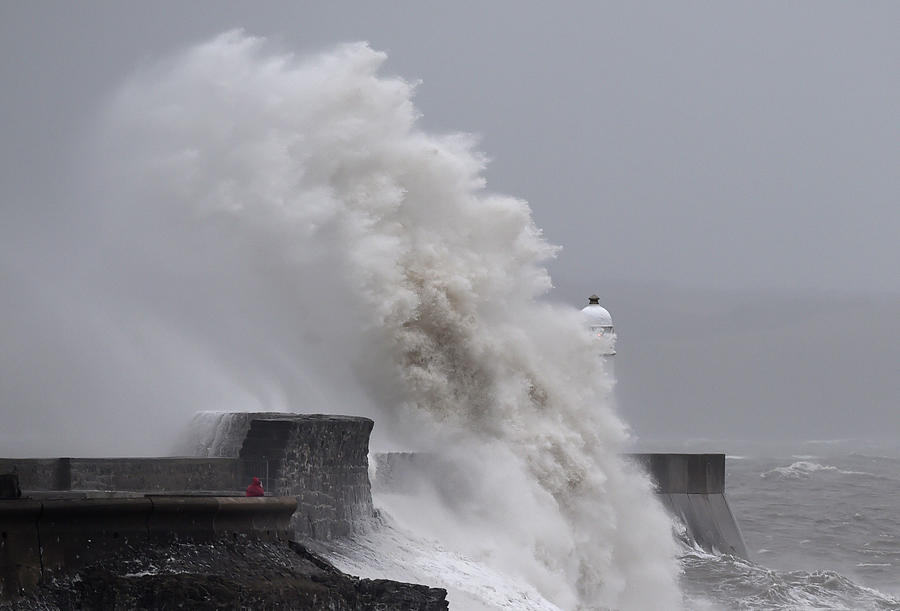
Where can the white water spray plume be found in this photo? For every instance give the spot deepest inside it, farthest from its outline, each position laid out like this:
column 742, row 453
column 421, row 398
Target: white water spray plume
column 285, row 222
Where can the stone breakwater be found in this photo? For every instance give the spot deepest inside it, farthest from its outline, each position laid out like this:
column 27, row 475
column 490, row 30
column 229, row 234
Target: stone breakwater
column 171, row 532
column 321, row 460
column 691, row 487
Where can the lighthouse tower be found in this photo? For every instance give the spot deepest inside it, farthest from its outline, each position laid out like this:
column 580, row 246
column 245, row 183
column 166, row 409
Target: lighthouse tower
column 600, row 324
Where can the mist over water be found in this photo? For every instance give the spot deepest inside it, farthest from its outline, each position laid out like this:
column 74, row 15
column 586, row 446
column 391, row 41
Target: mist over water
column 275, row 233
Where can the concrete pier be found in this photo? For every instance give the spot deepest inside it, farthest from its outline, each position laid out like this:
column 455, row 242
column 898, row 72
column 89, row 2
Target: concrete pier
column 316, row 465
column 692, row 488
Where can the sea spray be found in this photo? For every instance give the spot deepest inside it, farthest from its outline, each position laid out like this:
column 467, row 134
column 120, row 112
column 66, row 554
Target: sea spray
column 288, row 218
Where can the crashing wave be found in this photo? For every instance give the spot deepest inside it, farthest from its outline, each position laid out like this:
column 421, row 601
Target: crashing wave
column 288, row 220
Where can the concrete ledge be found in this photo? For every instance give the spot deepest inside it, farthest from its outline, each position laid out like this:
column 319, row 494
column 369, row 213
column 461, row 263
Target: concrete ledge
column 684, row 473
column 267, row 517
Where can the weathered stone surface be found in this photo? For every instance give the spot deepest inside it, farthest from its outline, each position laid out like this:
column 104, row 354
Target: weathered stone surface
column 135, row 474
column 238, row 574
column 219, row 434
column 35, row 473
column 9, row 486
column 708, row 520
column 320, row 459
column 20, row 546
column 40, row 539
column 153, row 474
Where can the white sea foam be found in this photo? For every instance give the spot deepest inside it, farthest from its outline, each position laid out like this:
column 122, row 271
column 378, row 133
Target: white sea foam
column 394, row 552
column 803, row 469
column 290, row 224
column 762, row 588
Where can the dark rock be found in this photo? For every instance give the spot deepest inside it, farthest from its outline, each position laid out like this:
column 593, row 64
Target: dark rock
column 239, row 574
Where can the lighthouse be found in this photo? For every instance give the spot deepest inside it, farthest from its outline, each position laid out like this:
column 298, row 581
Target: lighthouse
column 599, row 321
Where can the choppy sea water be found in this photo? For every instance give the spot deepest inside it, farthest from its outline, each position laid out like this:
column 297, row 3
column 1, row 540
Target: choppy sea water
column 822, row 523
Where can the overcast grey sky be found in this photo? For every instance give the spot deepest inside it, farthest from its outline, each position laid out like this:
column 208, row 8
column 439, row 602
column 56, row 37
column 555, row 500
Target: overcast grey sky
column 693, row 159
column 739, row 145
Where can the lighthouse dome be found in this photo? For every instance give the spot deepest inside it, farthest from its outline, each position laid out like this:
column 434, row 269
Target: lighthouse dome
column 596, row 314
column 599, row 321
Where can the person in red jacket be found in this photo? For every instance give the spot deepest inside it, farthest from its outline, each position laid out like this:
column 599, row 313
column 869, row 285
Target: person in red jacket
column 255, row 489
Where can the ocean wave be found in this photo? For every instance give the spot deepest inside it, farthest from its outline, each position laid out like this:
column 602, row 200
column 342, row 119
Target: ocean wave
column 803, row 469
column 875, row 457
column 356, row 260
column 727, row 582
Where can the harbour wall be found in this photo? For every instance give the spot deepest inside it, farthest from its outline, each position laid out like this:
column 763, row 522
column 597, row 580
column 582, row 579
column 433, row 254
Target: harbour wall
column 323, row 462
column 691, row 487
column 127, row 474
column 320, row 460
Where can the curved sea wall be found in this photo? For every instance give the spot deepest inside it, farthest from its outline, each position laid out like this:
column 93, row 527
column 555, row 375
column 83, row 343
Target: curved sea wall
column 322, row 460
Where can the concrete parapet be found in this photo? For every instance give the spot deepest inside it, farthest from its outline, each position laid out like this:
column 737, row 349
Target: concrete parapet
column 266, row 517
column 183, row 517
column 74, row 531
column 38, row 473
column 135, row 474
column 684, row 473
column 153, row 474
